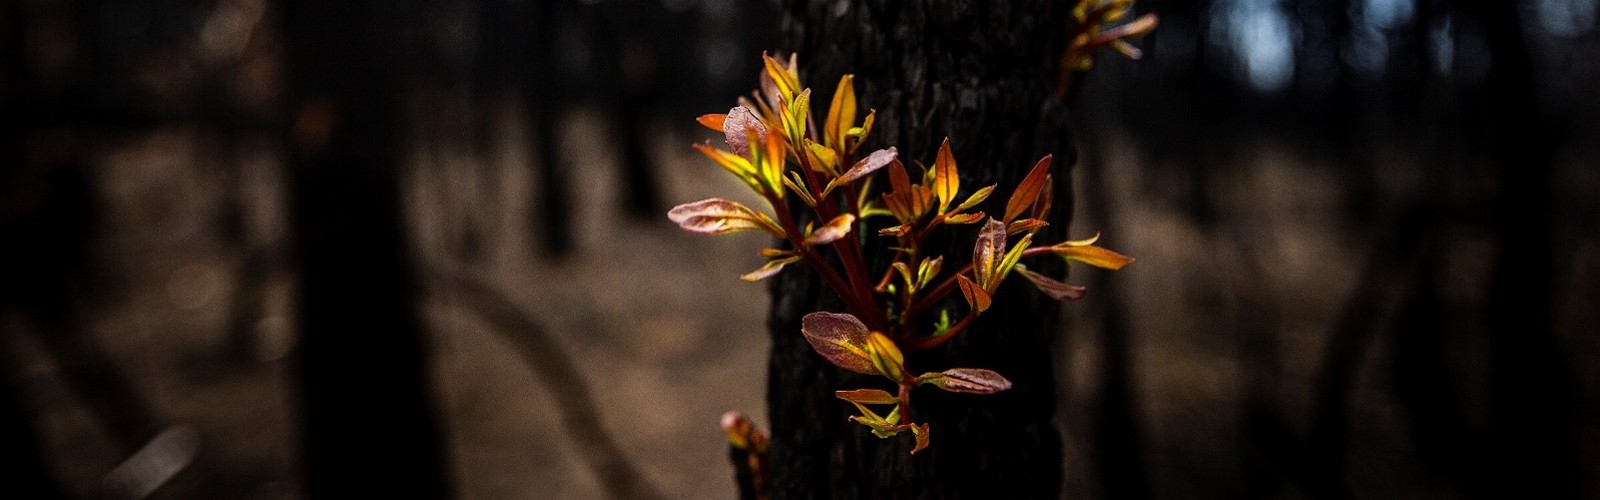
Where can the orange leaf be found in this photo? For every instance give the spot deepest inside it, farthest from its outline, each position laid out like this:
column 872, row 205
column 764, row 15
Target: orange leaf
column 946, row 181
column 712, row 121
column 1024, row 225
column 1028, row 190
column 833, row 230
column 976, row 297
column 841, row 339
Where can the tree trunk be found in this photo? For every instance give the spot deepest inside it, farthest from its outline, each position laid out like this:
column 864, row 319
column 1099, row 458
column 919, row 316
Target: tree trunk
column 981, row 73
column 369, row 426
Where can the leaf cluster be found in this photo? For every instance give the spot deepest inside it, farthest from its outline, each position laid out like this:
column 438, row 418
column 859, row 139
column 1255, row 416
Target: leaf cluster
column 773, row 148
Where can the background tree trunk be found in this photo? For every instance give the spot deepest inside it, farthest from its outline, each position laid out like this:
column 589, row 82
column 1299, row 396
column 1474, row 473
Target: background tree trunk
column 370, row 430
column 981, row 73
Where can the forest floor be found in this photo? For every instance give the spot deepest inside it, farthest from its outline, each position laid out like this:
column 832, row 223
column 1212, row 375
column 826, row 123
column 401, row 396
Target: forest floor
column 667, row 338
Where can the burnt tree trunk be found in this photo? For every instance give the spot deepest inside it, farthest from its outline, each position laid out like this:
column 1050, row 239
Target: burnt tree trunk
column 981, row 73
column 370, row 430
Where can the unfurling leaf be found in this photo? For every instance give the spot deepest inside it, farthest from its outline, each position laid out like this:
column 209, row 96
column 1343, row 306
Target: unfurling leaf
column 921, row 431
column 946, row 180
column 1051, row 288
column 928, row 269
column 878, row 159
column 740, row 127
column 771, row 268
column 712, row 121
column 868, row 397
column 1084, row 251
column 976, row 297
column 1028, row 190
column 968, row 380
column 743, row 434
column 886, row 356
column 832, row 231
column 841, row 114
column 987, row 253
column 719, row 216
column 823, row 159
column 841, row 339
column 784, row 76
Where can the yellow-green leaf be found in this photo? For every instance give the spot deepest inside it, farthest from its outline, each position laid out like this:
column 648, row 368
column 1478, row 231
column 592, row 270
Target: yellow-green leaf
column 841, row 113
column 886, row 356
column 976, row 198
column 867, row 397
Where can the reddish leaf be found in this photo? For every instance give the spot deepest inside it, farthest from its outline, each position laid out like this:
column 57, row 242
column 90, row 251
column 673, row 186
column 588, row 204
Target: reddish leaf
column 1052, row 288
column 740, row 127
column 921, row 431
column 719, row 216
column 1028, row 190
column 841, row 339
column 946, row 181
column 867, row 397
column 976, row 297
column 833, row 230
column 878, row 159
column 968, row 380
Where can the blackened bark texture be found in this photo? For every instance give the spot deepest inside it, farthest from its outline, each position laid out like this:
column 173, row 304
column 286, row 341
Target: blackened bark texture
column 1532, row 432
column 370, row 429
column 982, row 73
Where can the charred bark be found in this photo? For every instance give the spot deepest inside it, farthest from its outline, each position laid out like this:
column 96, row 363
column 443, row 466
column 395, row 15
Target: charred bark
column 982, row 74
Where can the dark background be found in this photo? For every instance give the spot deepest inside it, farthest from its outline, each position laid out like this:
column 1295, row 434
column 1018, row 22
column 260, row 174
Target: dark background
column 1364, row 229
